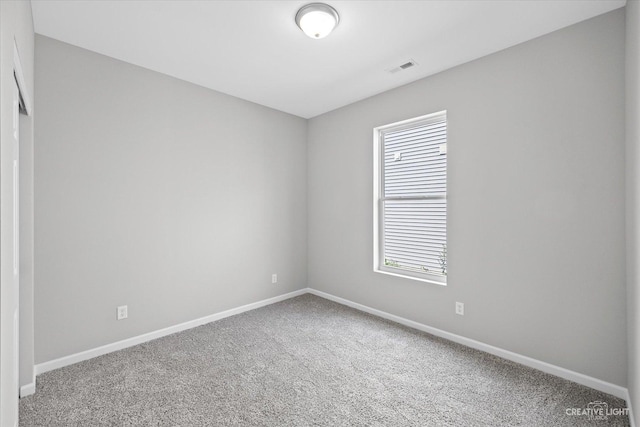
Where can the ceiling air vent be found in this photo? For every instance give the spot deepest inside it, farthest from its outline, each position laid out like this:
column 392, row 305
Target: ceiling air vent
column 410, row 63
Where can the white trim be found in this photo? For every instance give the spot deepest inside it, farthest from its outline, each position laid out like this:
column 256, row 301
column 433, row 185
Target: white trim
column 409, row 122
column 28, row 389
column 378, row 190
column 404, row 276
column 22, row 86
column 129, row 342
column 577, row 377
column 377, row 176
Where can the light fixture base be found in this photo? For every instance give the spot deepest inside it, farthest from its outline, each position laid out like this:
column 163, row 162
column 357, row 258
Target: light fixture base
column 317, row 20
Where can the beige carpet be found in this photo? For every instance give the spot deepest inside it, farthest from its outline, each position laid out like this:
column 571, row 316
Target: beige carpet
column 306, row 361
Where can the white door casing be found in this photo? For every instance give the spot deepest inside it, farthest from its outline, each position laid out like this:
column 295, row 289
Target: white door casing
column 16, row 237
column 20, row 103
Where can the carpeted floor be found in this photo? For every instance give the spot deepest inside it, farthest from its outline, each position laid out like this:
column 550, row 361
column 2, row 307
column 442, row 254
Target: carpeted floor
column 306, row 361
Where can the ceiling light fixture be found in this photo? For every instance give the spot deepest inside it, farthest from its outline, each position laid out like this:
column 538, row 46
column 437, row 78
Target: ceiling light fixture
column 317, row 20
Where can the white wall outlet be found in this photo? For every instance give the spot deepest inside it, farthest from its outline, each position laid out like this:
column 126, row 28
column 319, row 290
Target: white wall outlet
column 122, row 312
column 274, row 278
column 460, row 308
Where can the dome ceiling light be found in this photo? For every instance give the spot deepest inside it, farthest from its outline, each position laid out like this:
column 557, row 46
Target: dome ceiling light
column 317, row 20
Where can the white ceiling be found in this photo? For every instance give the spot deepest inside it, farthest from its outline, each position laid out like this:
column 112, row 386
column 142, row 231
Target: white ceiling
column 255, row 51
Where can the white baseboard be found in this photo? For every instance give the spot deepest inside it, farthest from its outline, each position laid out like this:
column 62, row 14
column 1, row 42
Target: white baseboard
column 28, row 389
column 129, row 342
column 577, row 377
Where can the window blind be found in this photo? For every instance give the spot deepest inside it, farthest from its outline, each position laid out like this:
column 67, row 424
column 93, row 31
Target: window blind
column 414, row 203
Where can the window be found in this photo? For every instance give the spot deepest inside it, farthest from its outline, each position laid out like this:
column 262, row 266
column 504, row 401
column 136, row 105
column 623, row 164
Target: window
column 410, row 198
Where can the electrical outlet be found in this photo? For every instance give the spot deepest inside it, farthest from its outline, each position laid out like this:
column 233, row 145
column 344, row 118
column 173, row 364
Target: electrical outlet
column 460, row 308
column 274, row 278
column 122, row 312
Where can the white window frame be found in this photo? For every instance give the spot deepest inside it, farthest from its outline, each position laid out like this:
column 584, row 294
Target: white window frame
column 378, row 220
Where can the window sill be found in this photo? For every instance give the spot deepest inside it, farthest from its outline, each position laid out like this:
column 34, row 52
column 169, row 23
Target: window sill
column 410, row 277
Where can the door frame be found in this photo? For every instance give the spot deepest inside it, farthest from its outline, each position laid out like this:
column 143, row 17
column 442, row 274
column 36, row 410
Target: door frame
column 26, row 103
column 12, row 305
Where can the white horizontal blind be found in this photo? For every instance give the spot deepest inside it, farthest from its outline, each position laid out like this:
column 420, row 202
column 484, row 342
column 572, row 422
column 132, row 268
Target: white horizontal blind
column 414, row 196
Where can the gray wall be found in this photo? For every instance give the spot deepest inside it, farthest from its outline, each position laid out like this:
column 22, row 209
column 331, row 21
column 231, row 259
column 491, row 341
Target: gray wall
column 173, row 199
column 633, row 200
column 536, row 200
column 180, row 201
column 16, row 23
